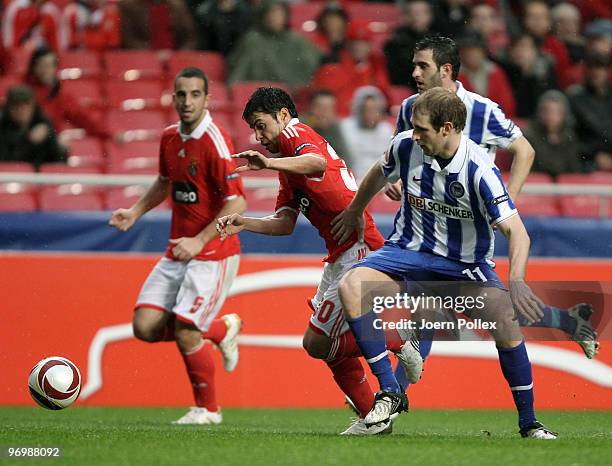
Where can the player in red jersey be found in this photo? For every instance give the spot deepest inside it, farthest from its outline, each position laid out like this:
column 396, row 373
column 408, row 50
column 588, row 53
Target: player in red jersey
column 314, row 181
column 183, row 294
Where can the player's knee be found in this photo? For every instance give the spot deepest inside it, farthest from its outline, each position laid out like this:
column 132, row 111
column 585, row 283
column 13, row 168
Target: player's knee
column 315, row 349
column 144, row 332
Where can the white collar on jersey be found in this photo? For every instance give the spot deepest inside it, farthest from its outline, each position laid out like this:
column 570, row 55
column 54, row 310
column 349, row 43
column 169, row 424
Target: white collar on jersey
column 199, row 131
column 293, row 121
column 455, row 165
column 460, row 90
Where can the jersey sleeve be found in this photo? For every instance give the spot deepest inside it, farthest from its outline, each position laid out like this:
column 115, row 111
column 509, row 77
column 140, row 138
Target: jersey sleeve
column 500, row 130
column 493, row 194
column 403, row 117
column 285, row 199
column 163, row 168
column 390, row 162
column 222, row 173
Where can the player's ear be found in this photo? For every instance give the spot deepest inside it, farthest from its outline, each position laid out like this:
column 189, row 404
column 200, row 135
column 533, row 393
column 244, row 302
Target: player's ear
column 447, row 128
column 446, row 70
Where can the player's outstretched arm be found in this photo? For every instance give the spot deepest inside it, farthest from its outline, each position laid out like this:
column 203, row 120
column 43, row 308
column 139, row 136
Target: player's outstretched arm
column 186, row 248
column 351, row 218
column 306, row 164
column 524, row 300
column 124, row 219
column 280, row 224
column 523, row 156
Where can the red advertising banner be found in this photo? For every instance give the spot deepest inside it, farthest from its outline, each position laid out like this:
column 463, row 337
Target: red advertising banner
column 80, row 307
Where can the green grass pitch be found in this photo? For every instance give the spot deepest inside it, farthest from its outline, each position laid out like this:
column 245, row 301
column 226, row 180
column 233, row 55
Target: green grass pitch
column 135, row 436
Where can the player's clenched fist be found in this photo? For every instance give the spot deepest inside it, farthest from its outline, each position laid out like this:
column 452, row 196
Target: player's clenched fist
column 230, row 225
column 254, row 159
column 123, row 219
column 186, row 248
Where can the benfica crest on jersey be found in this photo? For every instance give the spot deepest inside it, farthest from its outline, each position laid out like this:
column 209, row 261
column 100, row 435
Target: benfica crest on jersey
column 193, row 168
column 181, row 153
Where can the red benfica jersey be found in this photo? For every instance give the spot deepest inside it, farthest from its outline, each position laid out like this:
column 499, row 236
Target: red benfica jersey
column 202, row 179
column 322, row 196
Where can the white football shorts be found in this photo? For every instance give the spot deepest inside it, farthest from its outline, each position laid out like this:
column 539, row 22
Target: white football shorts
column 328, row 316
column 194, row 291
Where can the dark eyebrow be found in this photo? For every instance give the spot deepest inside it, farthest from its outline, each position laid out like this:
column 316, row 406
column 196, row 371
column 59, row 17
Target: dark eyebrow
column 421, row 63
column 419, row 127
column 254, row 123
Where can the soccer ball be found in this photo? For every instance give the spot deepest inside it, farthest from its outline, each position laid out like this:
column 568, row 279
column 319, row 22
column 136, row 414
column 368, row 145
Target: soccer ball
column 55, row 383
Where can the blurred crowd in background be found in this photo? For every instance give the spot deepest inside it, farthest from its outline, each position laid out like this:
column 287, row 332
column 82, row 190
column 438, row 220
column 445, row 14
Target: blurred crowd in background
column 89, row 83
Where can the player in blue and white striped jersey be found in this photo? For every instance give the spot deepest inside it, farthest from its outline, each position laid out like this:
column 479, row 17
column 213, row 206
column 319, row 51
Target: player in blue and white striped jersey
column 436, row 64
column 452, row 197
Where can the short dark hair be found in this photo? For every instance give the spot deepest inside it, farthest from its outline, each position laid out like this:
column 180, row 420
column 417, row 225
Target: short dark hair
column 269, row 100
column 444, row 51
column 37, row 54
column 322, row 93
column 19, row 94
column 192, row 72
column 441, row 105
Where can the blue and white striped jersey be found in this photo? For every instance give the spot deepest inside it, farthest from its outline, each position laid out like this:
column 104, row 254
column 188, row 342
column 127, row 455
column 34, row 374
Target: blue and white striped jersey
column 446, row 211
column 486, row 123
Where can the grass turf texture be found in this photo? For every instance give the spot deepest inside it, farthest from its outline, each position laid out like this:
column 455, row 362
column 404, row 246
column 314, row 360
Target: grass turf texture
column 134, row 436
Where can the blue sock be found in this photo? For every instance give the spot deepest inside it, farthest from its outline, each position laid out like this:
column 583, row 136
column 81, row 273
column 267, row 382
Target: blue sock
column 425, row 342
column 373, row 346
column 553, row 318
column 516, row 368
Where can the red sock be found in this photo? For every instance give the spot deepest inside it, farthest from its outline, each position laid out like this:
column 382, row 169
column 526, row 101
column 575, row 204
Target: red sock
column 351, row 378
column 394, row 342
column 216, row 332
column 201, row 371
column 346, row 346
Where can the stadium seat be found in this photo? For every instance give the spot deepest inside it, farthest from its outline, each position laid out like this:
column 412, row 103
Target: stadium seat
column 14, row 196
column 70, row 197
column 397, row 94
column 261, row 199
column 17, row 64
column 381, row 204
column 304, row 14
column 212, row 63
column 134, row 157
column 17, row 202
column 536, row 204
column 244, row 137
column 87, row 92
column 22, row 167
column 6, row 82
column 136, row 126
column 126, row 196
column 381, row 16
column 125, row 65
column 219, row 96
column 135, row 166
column 241, row 91
column 584, row 205
column 79, row 65
column 64, row 168
column 136, row 95
column 87, row 153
